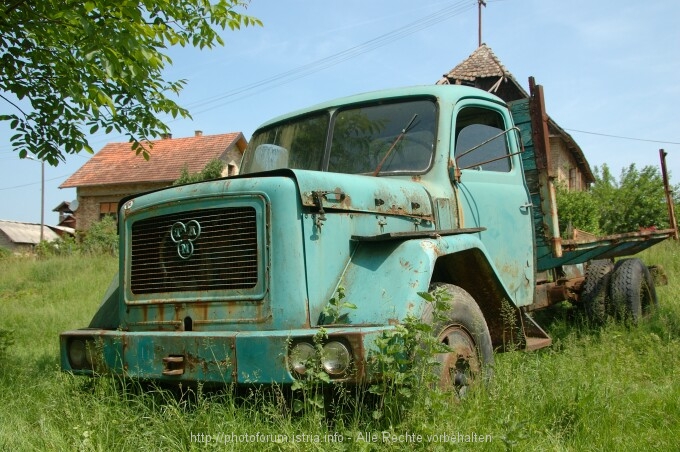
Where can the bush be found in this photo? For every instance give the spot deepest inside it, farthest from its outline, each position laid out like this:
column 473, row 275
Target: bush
column 636, row 200
column 578, row 209
column 101, row 238
column 212, row 170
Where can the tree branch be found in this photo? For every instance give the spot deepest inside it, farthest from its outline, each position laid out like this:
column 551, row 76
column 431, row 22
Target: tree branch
column 14, row 105
column 14, row 6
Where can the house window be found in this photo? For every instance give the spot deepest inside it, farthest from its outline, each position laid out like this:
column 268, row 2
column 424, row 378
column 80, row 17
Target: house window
column 108, row 209
column 574, row 179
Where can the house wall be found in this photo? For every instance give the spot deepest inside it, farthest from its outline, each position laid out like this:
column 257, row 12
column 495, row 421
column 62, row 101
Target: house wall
column 16, row 248
column 563, row 165
column 5, row 242
column 232, row 159
column 91, row 198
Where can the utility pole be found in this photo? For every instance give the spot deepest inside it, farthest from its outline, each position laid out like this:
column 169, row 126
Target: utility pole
column 480, row 3
column 42, row 195
column 42, row 200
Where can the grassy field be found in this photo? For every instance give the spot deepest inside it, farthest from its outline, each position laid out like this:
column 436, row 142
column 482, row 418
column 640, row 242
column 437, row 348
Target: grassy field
column 613, row 388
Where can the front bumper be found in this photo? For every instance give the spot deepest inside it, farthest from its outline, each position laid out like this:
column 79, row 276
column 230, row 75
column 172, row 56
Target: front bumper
column 252, row 357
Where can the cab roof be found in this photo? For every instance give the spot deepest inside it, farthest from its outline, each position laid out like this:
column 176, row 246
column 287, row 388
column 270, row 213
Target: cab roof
column 446, row 93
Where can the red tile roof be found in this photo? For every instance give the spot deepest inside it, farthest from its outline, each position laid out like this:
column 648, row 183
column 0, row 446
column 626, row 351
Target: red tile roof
column 116, row 163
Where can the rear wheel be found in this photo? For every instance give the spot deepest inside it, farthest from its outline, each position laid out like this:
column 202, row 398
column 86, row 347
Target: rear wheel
column 595, row 293
column 466, row 334
column 632, row 290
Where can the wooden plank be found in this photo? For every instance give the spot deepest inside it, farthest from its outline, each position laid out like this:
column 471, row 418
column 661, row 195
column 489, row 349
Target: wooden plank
column 539, row 126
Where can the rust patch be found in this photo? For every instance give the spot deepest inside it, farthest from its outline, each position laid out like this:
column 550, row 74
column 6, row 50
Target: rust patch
column 356, row 342
column 396, row 210
column 161, row 311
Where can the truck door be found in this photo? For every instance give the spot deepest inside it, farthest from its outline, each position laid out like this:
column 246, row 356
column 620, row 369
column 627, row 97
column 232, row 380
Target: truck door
column 493, row 192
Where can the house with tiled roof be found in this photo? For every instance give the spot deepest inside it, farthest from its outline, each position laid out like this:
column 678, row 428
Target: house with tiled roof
column 117, row 171
column 482, row 69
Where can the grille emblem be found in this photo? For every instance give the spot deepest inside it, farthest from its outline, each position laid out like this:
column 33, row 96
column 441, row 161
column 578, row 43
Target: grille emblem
column 184, row 235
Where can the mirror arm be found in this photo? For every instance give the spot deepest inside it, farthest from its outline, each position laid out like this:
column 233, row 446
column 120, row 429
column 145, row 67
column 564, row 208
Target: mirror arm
column 521, row 146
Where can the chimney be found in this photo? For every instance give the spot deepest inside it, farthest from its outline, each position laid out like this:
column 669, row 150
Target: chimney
column 166, row 136
column 198, row 133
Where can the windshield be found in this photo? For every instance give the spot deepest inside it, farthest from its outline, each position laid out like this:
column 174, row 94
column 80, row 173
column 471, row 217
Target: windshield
column 398, row 137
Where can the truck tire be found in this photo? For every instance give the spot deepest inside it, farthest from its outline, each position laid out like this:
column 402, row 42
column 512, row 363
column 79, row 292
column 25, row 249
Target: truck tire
column 465, row 331
column 632, row 292
column 595, row 293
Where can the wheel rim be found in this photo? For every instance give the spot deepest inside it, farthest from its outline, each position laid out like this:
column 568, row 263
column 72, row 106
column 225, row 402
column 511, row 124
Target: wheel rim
column 460, row 367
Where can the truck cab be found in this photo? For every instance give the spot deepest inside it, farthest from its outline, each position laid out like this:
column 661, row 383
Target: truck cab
column 380, row 197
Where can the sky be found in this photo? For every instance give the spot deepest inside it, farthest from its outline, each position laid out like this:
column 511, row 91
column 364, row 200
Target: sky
column 610, row 72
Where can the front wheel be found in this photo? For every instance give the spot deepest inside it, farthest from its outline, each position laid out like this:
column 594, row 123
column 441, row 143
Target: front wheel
column 465, row 332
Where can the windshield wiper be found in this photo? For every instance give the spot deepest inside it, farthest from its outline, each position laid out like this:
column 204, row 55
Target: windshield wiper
column 404, row 131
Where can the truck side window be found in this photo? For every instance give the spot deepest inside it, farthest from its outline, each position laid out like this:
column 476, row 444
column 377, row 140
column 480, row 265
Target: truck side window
column 474, row 126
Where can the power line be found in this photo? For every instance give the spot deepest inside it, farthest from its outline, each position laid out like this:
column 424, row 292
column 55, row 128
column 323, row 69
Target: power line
column 332, row 60
column 33, row 183
column 335, row 59
column 623, row 138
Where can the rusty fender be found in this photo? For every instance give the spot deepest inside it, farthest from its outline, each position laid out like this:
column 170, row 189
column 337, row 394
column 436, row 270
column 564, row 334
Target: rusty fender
column 383, row 280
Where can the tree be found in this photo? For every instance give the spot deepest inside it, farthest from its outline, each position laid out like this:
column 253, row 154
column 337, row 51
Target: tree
column 212, row 170
column 578, row 209
column 73, row 67
column 636, row 200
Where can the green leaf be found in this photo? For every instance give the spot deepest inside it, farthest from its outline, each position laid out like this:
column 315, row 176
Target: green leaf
column 317, row 401
column 72, row 64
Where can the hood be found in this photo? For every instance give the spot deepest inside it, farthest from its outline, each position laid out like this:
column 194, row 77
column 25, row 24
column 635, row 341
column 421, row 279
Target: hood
column 359, row 193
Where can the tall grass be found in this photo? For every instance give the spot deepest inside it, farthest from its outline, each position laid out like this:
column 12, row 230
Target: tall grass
column 612, row 388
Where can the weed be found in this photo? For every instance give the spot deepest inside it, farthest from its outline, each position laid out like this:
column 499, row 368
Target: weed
column 6, row 341
column 333, row 313
column 612, row 389
column 511, row 330
column 406, row 361
column 310, row 386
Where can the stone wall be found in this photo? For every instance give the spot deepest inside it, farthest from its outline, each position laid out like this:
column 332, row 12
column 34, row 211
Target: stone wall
column 91, row 198
column 563, row 165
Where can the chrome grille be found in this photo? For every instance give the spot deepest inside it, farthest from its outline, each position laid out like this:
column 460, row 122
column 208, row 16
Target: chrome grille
column 211, row 249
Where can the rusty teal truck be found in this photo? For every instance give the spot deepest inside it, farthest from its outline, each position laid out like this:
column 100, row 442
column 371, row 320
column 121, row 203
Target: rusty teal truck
column 379, row 196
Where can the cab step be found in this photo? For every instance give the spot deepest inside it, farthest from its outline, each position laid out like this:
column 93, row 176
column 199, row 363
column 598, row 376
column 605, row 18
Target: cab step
column 535, row 337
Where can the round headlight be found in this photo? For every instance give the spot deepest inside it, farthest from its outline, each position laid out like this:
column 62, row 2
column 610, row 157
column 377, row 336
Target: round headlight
column 77, row 354
column 336, row 358
column 300, row 356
